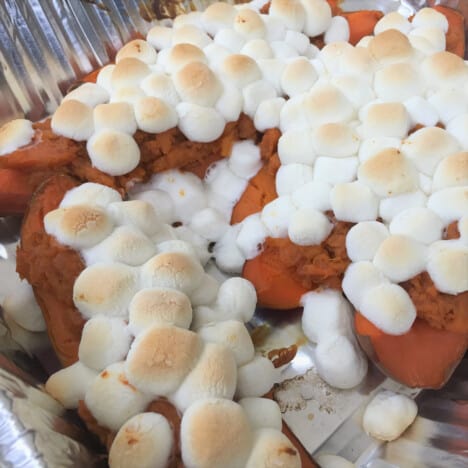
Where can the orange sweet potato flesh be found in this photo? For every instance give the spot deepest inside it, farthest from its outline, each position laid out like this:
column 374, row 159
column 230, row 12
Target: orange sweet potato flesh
column 361, row 23
column 15, row 192
column 455, row 36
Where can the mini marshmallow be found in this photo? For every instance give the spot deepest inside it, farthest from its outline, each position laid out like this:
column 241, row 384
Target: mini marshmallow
column 254, row 94
column 272, row 69
column 421, row 112
column 257, row 49
column 331, row 56
column 388, row 119
column 104, row 77
column 221, row 180
column 160, row 37
column 115, row 116
column 240, row 70
column 388, row 173
column 128, row 94
column 372, row 146
column 325, row 312
column 444, row 69
column 397, row 82
column 428, row 146
column 214, row 376
column 229, row 258
column 333, row 461
column 457, row 128
column 335, row 140
column 452, row 171
column 299, row 75
column 90, row 193
column 190, row 238
column 137, row 213
column 255, row 378
column 193, row 18
column 90, row 94
column 245, row 160
column 129, row 72
column 215, row 54
column 393, row 20
column 113, row 152
column 275, row 29
column 273, row 448
column 299, row 41
column 251, row 236
column 430, row 18
column 230, row 103
column 283, row 51
column 172, row 270
column 215, row 433
column 268, row 113
column 20, row 132
column 359, row 278
column 449, row 103
column 296, row 146
column 276, row 216
column 390, row 207
column 218, row 16
column 145, row 440
column 159, row 85
column 262, row 413
column 209, row 224
column 230, row 40
column 78, row 226
column 206, row 293
column 317, row 17
column 291, row 13
column 355, row 89
column 400, row 258
column 154, row 115
column 420, row 223
column 354, row 202
column 162, row 207
column 20, row 304
column 160, row 358
column 105, row 288
column 389, row 307
column 314, row 195
column 364, row 239
column 198, row 123
column 112, row 400
column 177, row 245
column 183, row 54
column 388, row 415
column 69, row 385
column 357, row 62
column 237, row 299
column 338, row 30
column 139, row 49
column 291, row 176
column 340, row 362
column 448, row 266
column 165, row 233
column 423, row 46
column 126, row 244
column 103, row 341
column 434, row 36
column 463, row 229
column 190, row 34
column 72, row 119
column 390, row 46
column 249, row 24
column 336, row 170
column 308, row 227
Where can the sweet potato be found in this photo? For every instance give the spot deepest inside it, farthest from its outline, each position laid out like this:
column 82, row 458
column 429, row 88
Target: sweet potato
column 361, row 23
column 455, row 37
column 15, row 192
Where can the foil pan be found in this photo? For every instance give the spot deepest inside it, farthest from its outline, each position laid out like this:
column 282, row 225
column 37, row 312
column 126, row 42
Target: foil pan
column 45, row 47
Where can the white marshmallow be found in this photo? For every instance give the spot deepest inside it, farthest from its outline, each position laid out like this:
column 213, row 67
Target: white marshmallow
column 397, row 82
column 90, row 193
column 215, row 54
column 20, row 132
column 336, row 170
column 434, row 36
column 355, row 89
column 254, row 94
column 145, row 440
column 193, row 18
column 251, row 236
column 104, row 77
column 296, row 146
column 457, row 127
column 314, row 195
column 72, row 119
column 290, row 13
column 199, row 124
column 308, row 227
column 181, row 55
column 444, row 69
column 331, row 56
column 272, row 69
column 335, row 140
column 230, row 103
column 245, row 160
column 113, row 152
column 275, row 28
column 237, row 299
column 429, row 17
column 421, row 112
column 463, row 229
column 90, row 94
column 283, row 51
column 340, row 361
column 128, row 94
column 207, row 292
column 160, row 37
column 317, row 17
column 190, row 34
column 268, row 113
column 390, row 207
column 262, row 413
column 228, row 256
column 217, row 16
column 299, row 76
column 255, row 378
column 372, row 146
column 299, row 41
column 388, row 415
column 449, row 103
column 165, row 233
column 276, row 216
column 364, row 239
column 257, row 49
column 393, row 20
column 159, row 85
column 221, row 180
column 230, row 40
column 338, row 30
column 386, row 119
column 232, row 334
column 196, row 242
column 357, row 62
column 209, row 224
column 354, row 202
column 177, row 245
column 450, row 203
column 249, row 24
column 451, row 171
column 162, row 206
column 69, row 385
column 421, row 224
column 289, row 177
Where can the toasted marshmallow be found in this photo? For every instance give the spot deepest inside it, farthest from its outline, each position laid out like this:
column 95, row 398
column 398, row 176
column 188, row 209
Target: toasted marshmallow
column 129, row 71
column 276, row 216
column 388, row 173
column 190, row 34
column 298, row 76
column 273, row 448
column 198, row 123
column 290, row 13
column 457, row 128
column 138, row 49
column 400, row 258
column 386, row 119
column 397, row 82
column 388, row 415
column 308, row 227
column 336, row 170
column 112, row 400
column 90, row 193
column 435, row 38
column 364, row 239
column 240, row 70
column 229, row 258
column 428, row 146
column 291, row 176
column 128, row 94
column 390, row 46
column 160, row 85
column 249, row 24
column 393, row 20
column 161, row 357
column 357, row 62
column 103, row 341
column 234, row 335
column 296, row 146
column 215, row 432
column 449, row 103
column 69, row 385
column 272, row 70
column 90, row 94
column 355, row 88
column 104, row 77
column 162, row 209
column 78, row 226
column 214, row 376
column 333, row 461
column 237, row 299
column 317, row 17
column 262, row 413
column 251, row 236
column 448, row 266
column 218, row 16
column 299, row 41
column 452, row 171
column 160, row 306
column 20, row 132
column 336, row 140
column 421, row 112
column 444, row 69
column 254, row 94
column 153, row 115
column 325, row 312
column 359, row 278
column 72, row 119
column 230, row 103
column 314, row 195
column 256, row 378
column 390, row 207
column 326, row 104
column 183, row 54
column 117, row 116
column 160, row 37
column 354, row 202
column 268, row 113
column 137, row 213
column 420, row 223
column 145, row 440
column 257, row 49
column 372, row 146
column 230, row 40
column 430, row 18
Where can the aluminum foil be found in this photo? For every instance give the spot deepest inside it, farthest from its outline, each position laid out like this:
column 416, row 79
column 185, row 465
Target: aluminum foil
column 47, row 45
